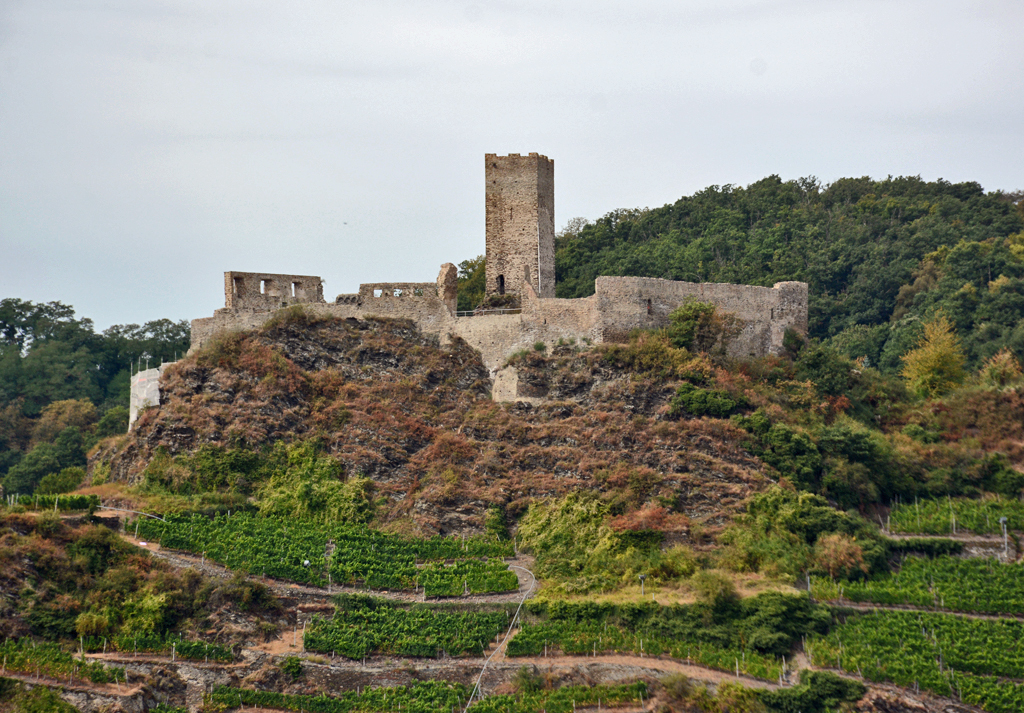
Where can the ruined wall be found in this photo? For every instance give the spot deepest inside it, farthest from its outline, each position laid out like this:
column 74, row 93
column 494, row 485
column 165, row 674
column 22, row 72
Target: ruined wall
column 145, row 391
column 263, row 291
column 627, row 303
column 619, row 305
column 520, row 205
column 431, row 305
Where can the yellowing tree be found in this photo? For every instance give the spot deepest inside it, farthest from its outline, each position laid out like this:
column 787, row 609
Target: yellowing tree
column 936, row 365
column 839, row 554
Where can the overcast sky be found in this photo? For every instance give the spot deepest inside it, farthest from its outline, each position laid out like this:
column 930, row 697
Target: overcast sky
column 147, row 147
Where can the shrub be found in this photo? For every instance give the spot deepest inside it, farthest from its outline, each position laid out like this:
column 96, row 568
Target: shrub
column 677, row 686
column 293, row 667
column 714, row 589
column 113, row 423
column 695, row 401
column 702, row 327
column 1002, row 369
column 62, row 482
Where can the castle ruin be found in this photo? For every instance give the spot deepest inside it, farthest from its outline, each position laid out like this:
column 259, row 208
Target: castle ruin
column 520, row 251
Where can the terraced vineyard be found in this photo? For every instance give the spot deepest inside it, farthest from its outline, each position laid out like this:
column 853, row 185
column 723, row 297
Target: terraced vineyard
column 722, row 638
column 363, row 625
column 297, row 550
column 434, row 697
column 947, row 654
column 156, row 644
column 589, row 638
column 49, row 659
column 942, row 517
column 967, row 585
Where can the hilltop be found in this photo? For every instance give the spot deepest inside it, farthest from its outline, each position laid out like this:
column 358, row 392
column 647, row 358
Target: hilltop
column 387, row 404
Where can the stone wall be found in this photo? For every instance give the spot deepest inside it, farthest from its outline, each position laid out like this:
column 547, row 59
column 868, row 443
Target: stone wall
column 263, row 291
column 627, row 303
column 619, row 305
column 520, row 205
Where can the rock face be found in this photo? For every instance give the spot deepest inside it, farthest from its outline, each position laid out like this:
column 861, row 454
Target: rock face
column 394, row 405
column 892, row 700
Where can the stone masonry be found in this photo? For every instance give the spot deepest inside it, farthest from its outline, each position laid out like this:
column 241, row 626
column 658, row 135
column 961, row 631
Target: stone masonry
column 520, row 261
column 520, row 223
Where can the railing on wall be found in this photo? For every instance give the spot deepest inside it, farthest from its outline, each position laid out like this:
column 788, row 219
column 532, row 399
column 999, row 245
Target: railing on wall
column 481, row 312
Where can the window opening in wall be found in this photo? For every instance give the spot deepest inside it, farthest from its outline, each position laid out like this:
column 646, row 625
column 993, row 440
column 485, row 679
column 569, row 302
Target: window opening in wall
column 238, row 284
column 397, row 292
column 378, row 293
column 773, row 313
column 418, row 292
column 263, row 287
column 501, row 284
column 295, row 289
column 650, row 307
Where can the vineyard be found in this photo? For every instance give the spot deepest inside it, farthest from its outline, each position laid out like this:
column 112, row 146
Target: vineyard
column 169, row 644
column 753, row 635
column 298, row 551
column 591, row 638
column 943, row 653
column 967, row 585
column 63, row 503
column 49, row 659
column 944, row 517
column 363, row 625
column 432, row 697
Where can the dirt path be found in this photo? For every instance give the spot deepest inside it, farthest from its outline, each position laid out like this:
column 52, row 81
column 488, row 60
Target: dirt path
column 698, row 673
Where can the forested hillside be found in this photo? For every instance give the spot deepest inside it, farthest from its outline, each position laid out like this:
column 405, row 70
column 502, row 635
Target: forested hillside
column 878, row 255
column 63, row 386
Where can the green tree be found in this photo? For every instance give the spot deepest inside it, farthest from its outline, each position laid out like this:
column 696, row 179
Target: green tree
column 472, row 283
column 936, row 366
column 702, row 327
column 63, row 482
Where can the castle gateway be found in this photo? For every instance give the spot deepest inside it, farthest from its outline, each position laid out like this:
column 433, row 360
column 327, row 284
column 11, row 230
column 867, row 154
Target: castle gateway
column 520, row 246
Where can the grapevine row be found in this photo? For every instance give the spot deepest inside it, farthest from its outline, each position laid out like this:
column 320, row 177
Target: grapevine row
column 589, row 638
column 362, row 626
column 158, row 644
column 943, row 653
column 49, row 659
column 967, row 585
column 432, row 697
column 297, row 550
column 942, row 517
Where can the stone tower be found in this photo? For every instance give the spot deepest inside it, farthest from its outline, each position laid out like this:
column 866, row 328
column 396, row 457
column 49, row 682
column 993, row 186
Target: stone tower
column 520, row 223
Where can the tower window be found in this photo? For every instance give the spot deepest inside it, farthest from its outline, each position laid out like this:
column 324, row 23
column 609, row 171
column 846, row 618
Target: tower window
column 501, row 284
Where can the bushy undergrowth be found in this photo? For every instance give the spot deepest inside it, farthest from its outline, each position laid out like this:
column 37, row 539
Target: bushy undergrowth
column 87, row 581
